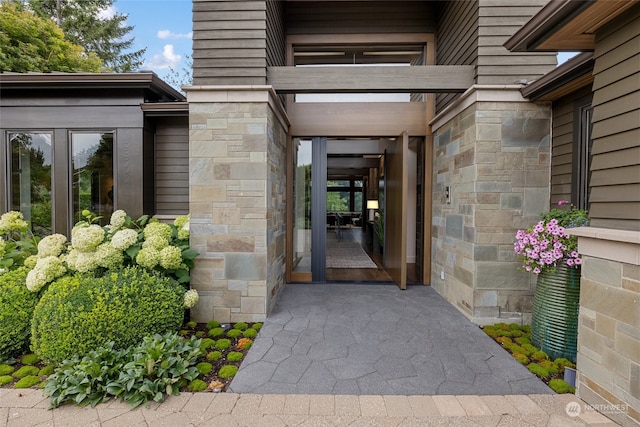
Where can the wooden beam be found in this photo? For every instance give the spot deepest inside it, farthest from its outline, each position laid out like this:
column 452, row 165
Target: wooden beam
column 371, row 79
column 345, row 119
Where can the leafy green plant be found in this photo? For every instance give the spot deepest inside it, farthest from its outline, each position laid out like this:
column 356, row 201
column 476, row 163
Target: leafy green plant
column 17, row 304
column 227, row 371
column 197, row 385
column 6, row 369
column 540, row 356
column 30, row 359
column 149, row 371
column 257, row 326
column 222, row 344
column 191, row 324
column 521, row 358
column 560, row 386
column 200, row 334
column 26, row 371
column 6, row 379
column 46, row 371
column 79, row 313
column 28, row 381
column 562, row 362
column 234, row 356
column 204, row 368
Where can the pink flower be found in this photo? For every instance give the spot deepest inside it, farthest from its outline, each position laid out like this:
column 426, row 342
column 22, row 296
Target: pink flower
column 570, row 262
column 563, row 202
column 536, row 270
column 577, row 261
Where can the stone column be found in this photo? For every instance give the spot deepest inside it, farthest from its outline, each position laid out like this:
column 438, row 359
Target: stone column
column 492, row 150
column 237, row 187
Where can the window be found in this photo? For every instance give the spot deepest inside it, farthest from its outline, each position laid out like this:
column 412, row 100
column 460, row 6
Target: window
column 344, row 196
column 92, row 174
column 582, row 152
column 30, row 179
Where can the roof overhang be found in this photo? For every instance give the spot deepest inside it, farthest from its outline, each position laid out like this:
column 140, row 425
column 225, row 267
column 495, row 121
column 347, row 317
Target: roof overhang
column 566, row 25
column 570, row 76
column 145, row 80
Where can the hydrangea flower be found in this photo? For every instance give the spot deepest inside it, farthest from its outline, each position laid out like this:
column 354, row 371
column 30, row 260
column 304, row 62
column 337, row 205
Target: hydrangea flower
column 123, row 239
column 86, row 239
column 86, row 261
column 31, row 261
column 118, row 219
column 108, row 256
column 191, row 298
column 171, row 257
column 52, row 245
column 148, row 257
column 181, row 221
column 183, row 233
column 13, row 221
column 157, row 229
column 155, row 241
column 46, row 270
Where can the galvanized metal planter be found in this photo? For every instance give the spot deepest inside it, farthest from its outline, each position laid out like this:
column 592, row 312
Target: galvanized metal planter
column 554, row 323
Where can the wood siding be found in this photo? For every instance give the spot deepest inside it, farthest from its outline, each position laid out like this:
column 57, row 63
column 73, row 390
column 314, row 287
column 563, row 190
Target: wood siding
column 497, row 21
column 276, row 34
column 352, row 17
column 564, row 135
column 615, row 179
column 229, row 42
column 456, row 39
column 172, row 166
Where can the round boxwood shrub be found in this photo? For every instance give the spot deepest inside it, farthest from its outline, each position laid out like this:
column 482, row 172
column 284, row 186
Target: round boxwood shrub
column 197, row 385
column 222, row 344
column 560, row 386
column 214, row 356
column 216, row 332
column 213, row 324
column 206, row 344
column 16, row 309
column 79, row 313
column 46, row 371
column 234, row 356
column 28, row 381
column 191, row 324
column 241, row 326
column 6, row 379
column 234, row 333
column 227, row 371
column 6, row 369
column 204, row 368
column 199, row 334
column 250, row 333
column 257, row 326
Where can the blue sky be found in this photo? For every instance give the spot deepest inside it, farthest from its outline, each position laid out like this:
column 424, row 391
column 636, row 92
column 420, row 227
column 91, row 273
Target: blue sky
column 163, row 27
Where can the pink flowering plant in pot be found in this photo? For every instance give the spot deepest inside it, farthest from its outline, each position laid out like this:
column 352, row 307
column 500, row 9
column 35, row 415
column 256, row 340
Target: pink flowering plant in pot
column 542, row 246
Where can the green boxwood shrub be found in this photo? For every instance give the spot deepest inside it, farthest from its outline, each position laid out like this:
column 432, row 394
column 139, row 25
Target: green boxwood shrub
column 257, row 326
column 30, row 359
column 234, row 356
column 560, row 386
column 241, row 326
column 199, row 334
column 540, row 356
column 191, row 325
column 79, row 313
column 227, row 371
column 197, row 385
column 216, row 332
column 222, row 344
column 214, row 356
column 28, row 381
column 6, row 379
column 26, row 371
column 16, row 310
column 521, row 358
column 204, row 368
column 6, row 370
column 562, row 362
column 234, row 333
column 250, row 333
column 213, row 324
column 206, row 344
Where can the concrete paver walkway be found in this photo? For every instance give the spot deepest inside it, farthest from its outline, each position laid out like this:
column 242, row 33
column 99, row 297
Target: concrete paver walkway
column 26, row 408
column 376, row 340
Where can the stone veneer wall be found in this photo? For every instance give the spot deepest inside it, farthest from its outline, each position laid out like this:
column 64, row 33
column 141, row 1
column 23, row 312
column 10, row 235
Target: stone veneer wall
column 492, row 150
column 608, row 360
column 237, row 151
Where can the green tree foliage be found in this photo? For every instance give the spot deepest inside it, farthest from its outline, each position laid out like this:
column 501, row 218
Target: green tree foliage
column 84, row 23
column 29, row 43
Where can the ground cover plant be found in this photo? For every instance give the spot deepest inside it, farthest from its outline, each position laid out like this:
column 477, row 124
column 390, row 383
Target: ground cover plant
column 516, row 340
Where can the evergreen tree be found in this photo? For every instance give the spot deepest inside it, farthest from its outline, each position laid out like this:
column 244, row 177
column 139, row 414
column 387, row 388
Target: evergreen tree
column 29, row 43
column 83, row 23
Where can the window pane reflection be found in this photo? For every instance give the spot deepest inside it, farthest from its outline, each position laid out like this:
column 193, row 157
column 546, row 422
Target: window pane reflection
column 92, row 174
column 31, row 179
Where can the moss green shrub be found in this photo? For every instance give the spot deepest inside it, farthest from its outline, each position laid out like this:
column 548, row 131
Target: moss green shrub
column 30, row 359
column 46, row 371
column 234, row 356
column 204, row 368
column 560, row 386
column 197, row 385
column 16, row 310
column 222, row 344
column 191, row 325
column 523, row 340
column 216, row 332
column 26, row 371
column 257, row 326
column 234, row 333
column 183, row 332
column 199, row 334
column 79, row 313
column 250, row 333
column 6, row 369
column 213, row 324
column 28, row 381
column 227, row 371
column 550, row 366
column 504, row 340
column 214, row 356
column 241, row 326
column 491, row 331
column 245, row 343
column 540, row 356
column 206, row 344
column 6, row 379
column 521, row 358
column 562, row 362
column 538, row 370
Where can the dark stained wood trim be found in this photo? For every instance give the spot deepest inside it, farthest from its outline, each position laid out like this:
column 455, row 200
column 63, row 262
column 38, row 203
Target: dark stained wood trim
column 395, row 79
column 578, row 67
